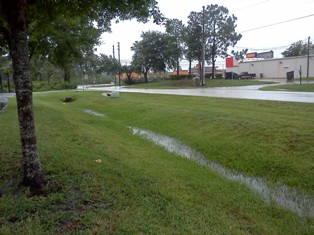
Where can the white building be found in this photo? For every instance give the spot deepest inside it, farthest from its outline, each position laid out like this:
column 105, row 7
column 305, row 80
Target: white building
column 276, row 68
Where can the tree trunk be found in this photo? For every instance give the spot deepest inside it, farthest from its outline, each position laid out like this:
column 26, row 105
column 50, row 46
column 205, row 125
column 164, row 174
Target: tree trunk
column 32, row 170
column 145, row 72
column 200, row 69
column 9, row 84
column 129, row 78
column 1, row 87
column 145, row 76
column 213, row 67
column 213, row 61
column 178, row 66
column 66, row 75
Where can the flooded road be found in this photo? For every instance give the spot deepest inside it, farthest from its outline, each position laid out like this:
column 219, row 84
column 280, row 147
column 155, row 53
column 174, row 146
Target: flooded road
column 242, row 92
column 282, row 195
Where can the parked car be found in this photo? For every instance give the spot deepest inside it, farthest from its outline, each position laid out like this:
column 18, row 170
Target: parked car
column 246, row 75
column 231, row 75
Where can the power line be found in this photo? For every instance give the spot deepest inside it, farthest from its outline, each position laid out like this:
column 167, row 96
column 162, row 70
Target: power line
column 282, row 22
column 253, row 5
column 235, row 47
column 238, row 3
column 262, row 49
column 269, row 48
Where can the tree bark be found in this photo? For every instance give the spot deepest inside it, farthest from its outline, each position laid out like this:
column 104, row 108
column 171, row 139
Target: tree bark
column 178, row 67
column 1, row 87
column 145, row 77
column 66, row 75
column 145, row 72
column 8, row 82
column 213, row 61
column 129, row 78
column 33, row 176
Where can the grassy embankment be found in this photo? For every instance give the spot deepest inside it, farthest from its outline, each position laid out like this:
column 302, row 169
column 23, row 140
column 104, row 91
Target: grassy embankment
column 305, row 87
column 136, row 187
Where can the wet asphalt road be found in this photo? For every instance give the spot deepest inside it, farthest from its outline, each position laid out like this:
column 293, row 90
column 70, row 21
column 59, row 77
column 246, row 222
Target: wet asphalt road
column 6, row 95
column 243, row 92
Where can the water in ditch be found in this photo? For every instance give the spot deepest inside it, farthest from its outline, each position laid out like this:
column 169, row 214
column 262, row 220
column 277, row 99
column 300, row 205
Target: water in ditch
column 282, row 195
column 93, row 113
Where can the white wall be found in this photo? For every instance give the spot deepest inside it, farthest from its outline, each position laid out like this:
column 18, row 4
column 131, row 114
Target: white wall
column 276, row 68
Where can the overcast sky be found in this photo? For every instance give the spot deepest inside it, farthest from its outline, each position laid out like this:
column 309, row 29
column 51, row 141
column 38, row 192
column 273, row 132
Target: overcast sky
column 251, row 15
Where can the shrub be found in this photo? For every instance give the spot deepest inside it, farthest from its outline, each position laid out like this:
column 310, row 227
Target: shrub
column 219, row 76
column 55, row 85
column 180, row 76
column 128, row 81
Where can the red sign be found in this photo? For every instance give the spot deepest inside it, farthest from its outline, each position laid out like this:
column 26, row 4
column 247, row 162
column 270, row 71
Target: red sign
column 229, row 62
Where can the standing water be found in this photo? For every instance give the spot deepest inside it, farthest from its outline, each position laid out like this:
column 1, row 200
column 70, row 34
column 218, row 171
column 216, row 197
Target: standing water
column 284, row 196
column 93, row 113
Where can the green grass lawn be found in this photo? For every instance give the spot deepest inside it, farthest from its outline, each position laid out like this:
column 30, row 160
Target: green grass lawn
column 304, row 87
column 104, row 180
column 188, row 83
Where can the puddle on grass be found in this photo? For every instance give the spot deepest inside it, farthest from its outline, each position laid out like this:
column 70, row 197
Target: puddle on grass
column 284, row 196
column 93, row 113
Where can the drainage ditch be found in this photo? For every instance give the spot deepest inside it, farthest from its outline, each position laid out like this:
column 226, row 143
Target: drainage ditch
column 282, row 195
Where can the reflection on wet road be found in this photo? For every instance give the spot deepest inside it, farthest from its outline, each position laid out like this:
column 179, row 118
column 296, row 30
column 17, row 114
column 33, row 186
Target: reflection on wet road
column 242, row 92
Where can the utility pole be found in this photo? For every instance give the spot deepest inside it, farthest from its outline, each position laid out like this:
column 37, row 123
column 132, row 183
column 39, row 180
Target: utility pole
column 114, row 57
column 308, row 57
column 177, row 36
column 300, row 73
column 119, row 61
column 203, row 49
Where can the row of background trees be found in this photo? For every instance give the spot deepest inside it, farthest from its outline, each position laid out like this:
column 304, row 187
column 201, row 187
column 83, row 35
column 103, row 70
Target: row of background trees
column 163, row 51
column 65, row 47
